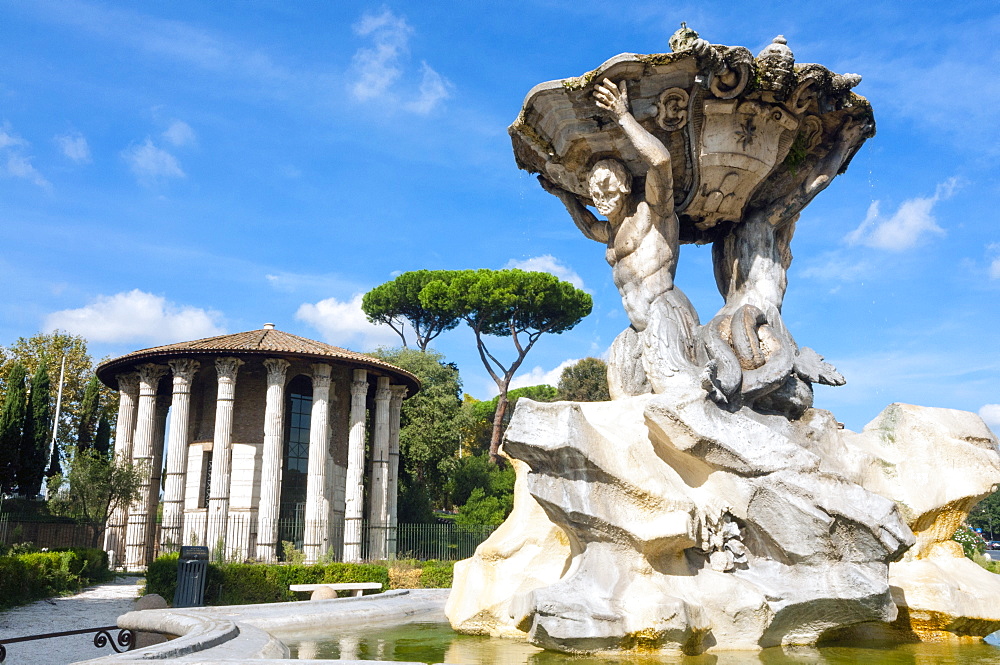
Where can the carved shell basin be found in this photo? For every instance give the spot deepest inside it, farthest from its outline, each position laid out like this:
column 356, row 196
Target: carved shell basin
column 745, row 135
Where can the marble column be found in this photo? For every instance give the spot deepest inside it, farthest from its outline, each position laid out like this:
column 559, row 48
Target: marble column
column 177, row 453
column 270, row 473
column 378, row 515
column 317, row 529
column 392, row 480
column 354, row 491
column 218, row 502
column 128, row 403
column 142, row 457
column 156, row 478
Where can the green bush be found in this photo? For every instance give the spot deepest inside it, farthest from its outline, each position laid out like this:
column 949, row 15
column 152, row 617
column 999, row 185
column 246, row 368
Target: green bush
column 251, row 583
column 28, row 577
column 436, row 574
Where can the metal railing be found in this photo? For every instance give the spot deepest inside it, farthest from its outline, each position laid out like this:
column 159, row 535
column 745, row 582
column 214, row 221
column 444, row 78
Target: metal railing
column 445, row 541
column 124, row 641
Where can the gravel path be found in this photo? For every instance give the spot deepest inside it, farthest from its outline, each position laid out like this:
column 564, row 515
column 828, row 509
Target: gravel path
column 96, row 606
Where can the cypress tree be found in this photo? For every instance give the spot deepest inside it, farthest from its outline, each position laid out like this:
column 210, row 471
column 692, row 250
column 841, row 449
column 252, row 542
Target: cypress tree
column 88, row 414
column 35, row 436
column 11, row 422
column 102, row 440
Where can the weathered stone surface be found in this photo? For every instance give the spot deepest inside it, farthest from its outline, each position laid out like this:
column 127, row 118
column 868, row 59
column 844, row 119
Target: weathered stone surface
column 668, row 523
column 936, row 464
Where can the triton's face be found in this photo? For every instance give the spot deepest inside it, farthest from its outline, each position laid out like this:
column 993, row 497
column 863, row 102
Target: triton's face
column 608, row 186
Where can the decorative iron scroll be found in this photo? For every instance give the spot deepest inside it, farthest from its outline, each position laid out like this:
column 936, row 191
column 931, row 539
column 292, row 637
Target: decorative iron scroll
column 124, row 641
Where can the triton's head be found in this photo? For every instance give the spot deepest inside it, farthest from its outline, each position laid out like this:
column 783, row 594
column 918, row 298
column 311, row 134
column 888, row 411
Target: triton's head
column 609, row 183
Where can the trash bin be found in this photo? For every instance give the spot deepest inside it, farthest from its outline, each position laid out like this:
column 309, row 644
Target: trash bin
column 192, row 571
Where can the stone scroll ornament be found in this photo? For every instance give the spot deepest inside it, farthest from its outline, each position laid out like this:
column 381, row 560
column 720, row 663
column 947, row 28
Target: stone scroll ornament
column 702, row 145
column 709, row 506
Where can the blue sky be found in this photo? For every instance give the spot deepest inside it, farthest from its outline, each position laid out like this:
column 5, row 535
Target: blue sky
column 174, row 170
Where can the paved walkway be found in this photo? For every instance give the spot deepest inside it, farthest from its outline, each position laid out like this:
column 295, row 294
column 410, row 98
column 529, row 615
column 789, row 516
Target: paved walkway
column 96, row 606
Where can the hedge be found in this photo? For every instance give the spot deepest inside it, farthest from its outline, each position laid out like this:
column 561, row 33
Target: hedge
column 28, row 577
column 251, row 583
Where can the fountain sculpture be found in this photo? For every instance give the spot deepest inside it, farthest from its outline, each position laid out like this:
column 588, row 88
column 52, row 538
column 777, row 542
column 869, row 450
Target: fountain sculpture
column 709, row 505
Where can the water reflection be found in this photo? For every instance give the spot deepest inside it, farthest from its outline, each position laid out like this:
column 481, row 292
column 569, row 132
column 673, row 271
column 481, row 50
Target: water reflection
column 436, row 643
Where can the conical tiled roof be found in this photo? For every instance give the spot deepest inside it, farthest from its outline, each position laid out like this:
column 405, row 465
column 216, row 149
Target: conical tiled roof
column 267, row 342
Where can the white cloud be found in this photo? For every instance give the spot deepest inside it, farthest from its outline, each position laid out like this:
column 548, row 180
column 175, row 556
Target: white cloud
column 378, row 67
column 344, row 324
column 538, row 375
column 990, row 413
column 14, row 162
column 74, row 146
column 179, row 133
column 433, row 89
column 378, row 71
column 550, row 264
column 136, row 316
column 994, row 269
column 910, row 225
column 150, row 163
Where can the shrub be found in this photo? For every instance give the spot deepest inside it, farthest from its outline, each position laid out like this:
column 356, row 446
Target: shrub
column 28, row 577
column 251, row 583
column 436, row 574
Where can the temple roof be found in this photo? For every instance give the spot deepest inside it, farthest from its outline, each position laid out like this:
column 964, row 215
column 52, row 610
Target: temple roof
column 267, row 342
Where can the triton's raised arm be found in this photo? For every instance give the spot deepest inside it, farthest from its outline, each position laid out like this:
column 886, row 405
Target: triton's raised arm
column 614, row 99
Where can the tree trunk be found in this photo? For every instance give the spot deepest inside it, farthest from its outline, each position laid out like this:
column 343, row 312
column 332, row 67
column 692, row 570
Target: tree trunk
column 498, row 429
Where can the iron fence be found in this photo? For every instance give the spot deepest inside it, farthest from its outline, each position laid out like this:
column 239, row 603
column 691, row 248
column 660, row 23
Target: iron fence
column 237, row 539
column 46, row 534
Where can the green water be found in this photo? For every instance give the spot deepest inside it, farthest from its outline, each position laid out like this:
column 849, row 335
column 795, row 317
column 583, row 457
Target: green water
column 437, row 643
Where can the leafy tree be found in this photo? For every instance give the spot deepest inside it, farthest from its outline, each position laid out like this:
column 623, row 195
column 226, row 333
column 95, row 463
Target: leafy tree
column 480, row 415
column 586, row 381
column 986, row 516
column 35, row 435
column 515, row 304
column 11, row 424
column 102, row 440
column 484, row 491
column 93, row 487
column 397, row 302
column 430, row 423
column 89, row 408
column 53, row 347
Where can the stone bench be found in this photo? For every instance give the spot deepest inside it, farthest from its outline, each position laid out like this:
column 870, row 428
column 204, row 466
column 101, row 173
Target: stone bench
column 329, row 590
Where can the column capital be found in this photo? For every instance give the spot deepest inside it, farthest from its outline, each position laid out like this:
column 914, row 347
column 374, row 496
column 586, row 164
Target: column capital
column 227, row 368
column 320, row 376
column 149, row 377
column 398, row 395
column 128, row 383
column 184, row 370
column 359, row 386
column 276, row 370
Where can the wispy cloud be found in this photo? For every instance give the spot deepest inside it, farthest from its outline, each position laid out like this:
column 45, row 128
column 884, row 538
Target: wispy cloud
column 378, row 67
column 994, row 269
column 550, row 264
column 179, row 134
column 837, row 266
column 433, row 89
column 151, row 164
column 74, row 146
column 538, row 375
column 908, row 227
column 990, row 413
column 344, row 323
column 14, row 160
column 377, row 70
column 136, row 316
